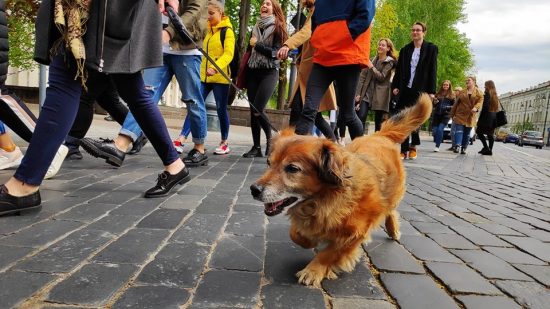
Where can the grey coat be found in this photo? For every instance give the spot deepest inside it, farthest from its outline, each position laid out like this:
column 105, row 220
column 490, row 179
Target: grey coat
column 129, row 42
column 374, row 84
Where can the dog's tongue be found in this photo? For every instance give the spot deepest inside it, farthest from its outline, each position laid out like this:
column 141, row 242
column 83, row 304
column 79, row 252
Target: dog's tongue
column 271, row 207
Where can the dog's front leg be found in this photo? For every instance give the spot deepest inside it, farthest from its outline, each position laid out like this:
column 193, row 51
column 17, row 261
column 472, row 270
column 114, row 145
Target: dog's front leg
column 330, row 260
column 300, row 240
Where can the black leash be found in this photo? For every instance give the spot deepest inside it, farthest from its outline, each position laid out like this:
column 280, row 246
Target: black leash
column 182, row 31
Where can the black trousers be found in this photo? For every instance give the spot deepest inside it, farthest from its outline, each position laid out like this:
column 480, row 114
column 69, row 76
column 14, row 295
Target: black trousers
column 320, row 122
column 345, row 80
column 407, row 98
column 260, row 86
column 363, row 112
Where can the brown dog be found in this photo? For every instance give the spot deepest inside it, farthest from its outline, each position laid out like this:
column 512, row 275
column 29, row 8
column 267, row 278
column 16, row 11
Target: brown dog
column 337, row 195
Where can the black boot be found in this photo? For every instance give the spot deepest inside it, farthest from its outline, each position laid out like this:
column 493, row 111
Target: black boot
column 463, row 150
column 487, row 152
column 255, row 151
column 105, row 148
column 10, row 204
column 138, row 144
column 166, row 181
column 456, row 149
column 195, row 158
column 484, row 149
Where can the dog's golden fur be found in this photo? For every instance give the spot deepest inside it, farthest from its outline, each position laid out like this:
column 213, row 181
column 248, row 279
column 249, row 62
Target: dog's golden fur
column 337, row 195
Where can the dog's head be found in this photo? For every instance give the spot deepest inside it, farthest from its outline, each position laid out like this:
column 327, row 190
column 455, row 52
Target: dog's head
column 299, row 168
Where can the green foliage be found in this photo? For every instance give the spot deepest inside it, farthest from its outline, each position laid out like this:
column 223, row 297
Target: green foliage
column 21, row 16
column 519, row 127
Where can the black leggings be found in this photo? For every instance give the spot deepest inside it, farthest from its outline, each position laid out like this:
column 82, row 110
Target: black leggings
column 320, row 122
column 260, row 86
column 408, row 98
column 363, row 112
column 345, row 79
column 483, row 140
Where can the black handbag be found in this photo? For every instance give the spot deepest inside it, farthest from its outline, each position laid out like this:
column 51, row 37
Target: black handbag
column 501, row 118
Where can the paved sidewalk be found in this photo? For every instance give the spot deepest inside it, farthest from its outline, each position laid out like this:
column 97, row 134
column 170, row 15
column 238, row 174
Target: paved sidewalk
column 476, row 234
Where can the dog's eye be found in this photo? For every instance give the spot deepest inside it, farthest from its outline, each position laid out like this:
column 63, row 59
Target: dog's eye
column 291, row 168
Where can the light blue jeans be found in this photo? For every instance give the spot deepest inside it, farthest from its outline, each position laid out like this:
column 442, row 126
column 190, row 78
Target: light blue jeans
column 187, row 72
column 462, row 136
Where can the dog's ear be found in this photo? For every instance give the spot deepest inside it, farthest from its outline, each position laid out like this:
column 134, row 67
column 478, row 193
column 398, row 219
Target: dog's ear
column 331, row 165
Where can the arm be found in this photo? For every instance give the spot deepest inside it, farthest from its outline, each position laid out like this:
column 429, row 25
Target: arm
column 300, row 37
column 360, row 85
column 364, row 13
column 269, row 51
column 433, row 72
column 228, row 49
column 396, row 82
column 381, row 75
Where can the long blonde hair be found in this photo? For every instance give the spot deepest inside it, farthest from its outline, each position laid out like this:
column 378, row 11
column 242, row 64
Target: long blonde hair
column 449, row 93
column 390, row 52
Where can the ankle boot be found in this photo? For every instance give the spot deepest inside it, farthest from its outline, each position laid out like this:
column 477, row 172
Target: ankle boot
column 255, row 151
column 456, row 149
column 483, row 150
column 463, row 150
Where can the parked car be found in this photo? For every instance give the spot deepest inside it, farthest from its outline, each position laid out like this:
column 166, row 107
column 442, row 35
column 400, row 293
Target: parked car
column 501, row 134
column 511, row 138
column 533, row 138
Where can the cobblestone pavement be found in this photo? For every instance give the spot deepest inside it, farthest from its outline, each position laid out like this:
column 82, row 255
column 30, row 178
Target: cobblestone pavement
column 476, row 234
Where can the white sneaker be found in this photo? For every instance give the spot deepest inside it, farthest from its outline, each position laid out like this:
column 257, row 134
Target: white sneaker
column 436, row 149
column 179, row 146
column 222, row 149
column 10, row 159
column 57, row 161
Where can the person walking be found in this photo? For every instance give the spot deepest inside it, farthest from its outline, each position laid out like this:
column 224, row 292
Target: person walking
column 267, row 37
column 341, row 38
column 443, row 102
column 305, row 62
column 61, row 43
column 416, row 72
column 374, row 88
column 486, row 123
column 464, row 113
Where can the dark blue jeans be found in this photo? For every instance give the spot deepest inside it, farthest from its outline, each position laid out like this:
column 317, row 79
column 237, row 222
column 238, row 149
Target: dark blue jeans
column 59, row 111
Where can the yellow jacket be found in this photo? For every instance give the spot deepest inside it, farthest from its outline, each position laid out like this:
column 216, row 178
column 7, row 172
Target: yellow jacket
column 212, row 45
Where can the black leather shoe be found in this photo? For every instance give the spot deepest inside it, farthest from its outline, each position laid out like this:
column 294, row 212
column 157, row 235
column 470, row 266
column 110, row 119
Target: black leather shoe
column 254, row 152
column 166, row 181
column 456, row 149
column 105, row 149
column 74, row 154
column 10, row 204
column 138, row 144
column 486, row 152
column 195, row 158
column 463, row 150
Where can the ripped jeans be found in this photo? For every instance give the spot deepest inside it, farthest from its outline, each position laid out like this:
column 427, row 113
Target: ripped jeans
column 186, row 68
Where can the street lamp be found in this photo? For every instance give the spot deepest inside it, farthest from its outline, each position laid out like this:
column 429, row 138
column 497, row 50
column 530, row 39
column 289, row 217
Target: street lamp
column 545, row 129
column 524, row 115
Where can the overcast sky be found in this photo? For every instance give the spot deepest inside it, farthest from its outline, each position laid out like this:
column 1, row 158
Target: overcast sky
column 510, row 41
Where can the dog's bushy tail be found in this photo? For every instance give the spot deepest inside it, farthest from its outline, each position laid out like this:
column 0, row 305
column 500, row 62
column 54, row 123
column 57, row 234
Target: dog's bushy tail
column 400, row 126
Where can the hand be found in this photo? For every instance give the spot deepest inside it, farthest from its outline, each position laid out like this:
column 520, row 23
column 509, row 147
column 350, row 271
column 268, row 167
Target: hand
column 432, row 96
column 173, row 3
column 211, row 71
column 369, row 64
column 357, row 107
column 283, row 52
column 253, row 41
column 395, row 91
column 357, row 98
column 165, row 36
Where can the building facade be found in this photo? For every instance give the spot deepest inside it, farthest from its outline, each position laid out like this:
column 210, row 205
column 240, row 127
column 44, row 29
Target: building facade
column 529, row 105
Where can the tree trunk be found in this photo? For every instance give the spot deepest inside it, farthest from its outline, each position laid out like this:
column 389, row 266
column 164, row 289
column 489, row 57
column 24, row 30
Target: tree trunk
column 244, row 18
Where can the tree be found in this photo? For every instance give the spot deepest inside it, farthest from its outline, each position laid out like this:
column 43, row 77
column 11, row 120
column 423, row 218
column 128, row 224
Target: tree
column 21, row 16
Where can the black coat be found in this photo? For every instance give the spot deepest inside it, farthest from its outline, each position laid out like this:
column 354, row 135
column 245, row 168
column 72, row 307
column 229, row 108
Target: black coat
column 4, row 47
column 426, row 70
column 130, row 42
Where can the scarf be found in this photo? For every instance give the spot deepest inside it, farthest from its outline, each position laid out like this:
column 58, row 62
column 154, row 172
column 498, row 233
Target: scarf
column 70, row 17
column 263, row 31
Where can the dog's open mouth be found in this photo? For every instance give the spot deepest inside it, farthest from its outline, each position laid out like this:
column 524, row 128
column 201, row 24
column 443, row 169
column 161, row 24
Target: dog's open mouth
column 275, row 208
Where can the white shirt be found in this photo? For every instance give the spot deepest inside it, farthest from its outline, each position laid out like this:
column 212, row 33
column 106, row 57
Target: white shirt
column 414, row 62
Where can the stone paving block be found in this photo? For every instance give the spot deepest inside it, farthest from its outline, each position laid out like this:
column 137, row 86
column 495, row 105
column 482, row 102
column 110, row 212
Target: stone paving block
column 86, row 212
column 10, row 254
column 537, row 234
column 215, row 205
column 278, row 232
column 452, row 241
column 471, row 217
column 133, row 247
column 92, row 285
column 489, row 265
column 407, row 229
column 360, row 303
column 358, row 283
column 276, row 296
column 426, row 249
column 16, row 287
column 487, row 302
column 453, row 221
column 540, row 273
column 248, row 224
column 13, row 224
column 283, row 260
column 415, row 216
column 118, row 196
column 533, row 246
column 459, row 278
column 432, row 227
column 498, row 229
column 177, row 265
column 40, row 234
column 404, row 288
column 178, row 201
column 115, row 224
column 137, row 207
column 255, row 208
column 387, row 254
column 539, row 224
column 201, row 229
column 193, row 188
column 480, row 237
column 167, row 219
column 220, row 288
column 514, row 256
column 234, row 252
column 529, row 294
column 511, row 223
column 152, row 297
column 67, row 253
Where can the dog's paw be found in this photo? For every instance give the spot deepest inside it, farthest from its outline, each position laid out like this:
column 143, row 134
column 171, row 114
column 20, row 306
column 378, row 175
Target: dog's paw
column 314, row 274
column 396, row 235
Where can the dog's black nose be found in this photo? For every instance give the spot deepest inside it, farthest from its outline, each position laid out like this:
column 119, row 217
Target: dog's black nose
column 256, row 190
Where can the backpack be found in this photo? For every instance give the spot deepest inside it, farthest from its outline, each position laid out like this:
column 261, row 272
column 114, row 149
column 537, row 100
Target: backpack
column 234, row 64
